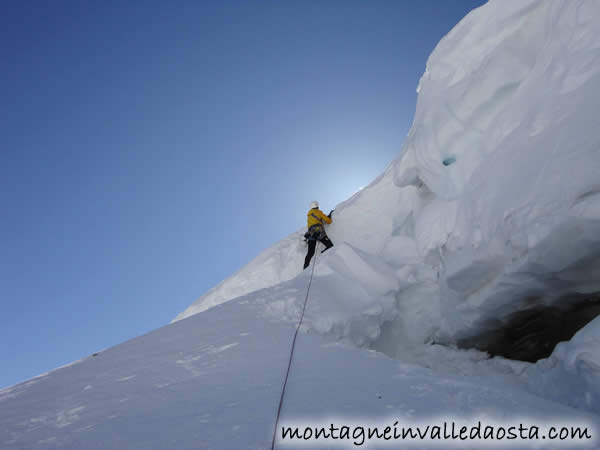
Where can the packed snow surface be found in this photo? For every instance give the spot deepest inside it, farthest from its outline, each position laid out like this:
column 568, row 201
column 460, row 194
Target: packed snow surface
column 492, row 206
column 213, row 381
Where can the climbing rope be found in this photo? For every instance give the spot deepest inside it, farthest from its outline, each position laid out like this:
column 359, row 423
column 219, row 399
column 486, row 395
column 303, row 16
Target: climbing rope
column 287, row 373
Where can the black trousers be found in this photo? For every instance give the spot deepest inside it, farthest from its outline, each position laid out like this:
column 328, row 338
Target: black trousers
column 312, row 244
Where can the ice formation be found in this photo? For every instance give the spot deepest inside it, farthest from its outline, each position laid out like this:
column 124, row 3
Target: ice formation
column 494, row 203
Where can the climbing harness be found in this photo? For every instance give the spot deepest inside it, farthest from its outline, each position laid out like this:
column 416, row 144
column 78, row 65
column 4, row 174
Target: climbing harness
column 287, row 373
column 314, row 233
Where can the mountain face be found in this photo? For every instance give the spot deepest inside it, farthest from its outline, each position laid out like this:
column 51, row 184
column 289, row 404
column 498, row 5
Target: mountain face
column 486, row 229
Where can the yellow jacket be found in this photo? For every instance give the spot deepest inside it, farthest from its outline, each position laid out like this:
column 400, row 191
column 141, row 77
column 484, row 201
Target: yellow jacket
column 316, row 216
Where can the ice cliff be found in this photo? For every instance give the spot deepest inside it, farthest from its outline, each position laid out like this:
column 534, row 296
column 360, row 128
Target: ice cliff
column 493, row 205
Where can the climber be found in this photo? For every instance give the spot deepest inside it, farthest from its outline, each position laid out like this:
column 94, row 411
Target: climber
column 316, row 231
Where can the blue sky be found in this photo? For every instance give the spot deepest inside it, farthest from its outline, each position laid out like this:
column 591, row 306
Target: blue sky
column 150, row 149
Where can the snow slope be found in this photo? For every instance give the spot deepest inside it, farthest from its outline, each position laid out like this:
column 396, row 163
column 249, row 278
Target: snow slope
column 493, row 205
column 213, row 381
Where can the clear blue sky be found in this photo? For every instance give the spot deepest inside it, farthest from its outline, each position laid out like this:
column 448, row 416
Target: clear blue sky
column 149, row 149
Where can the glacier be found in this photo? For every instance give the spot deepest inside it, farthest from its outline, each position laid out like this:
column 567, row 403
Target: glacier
column 491, row 209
